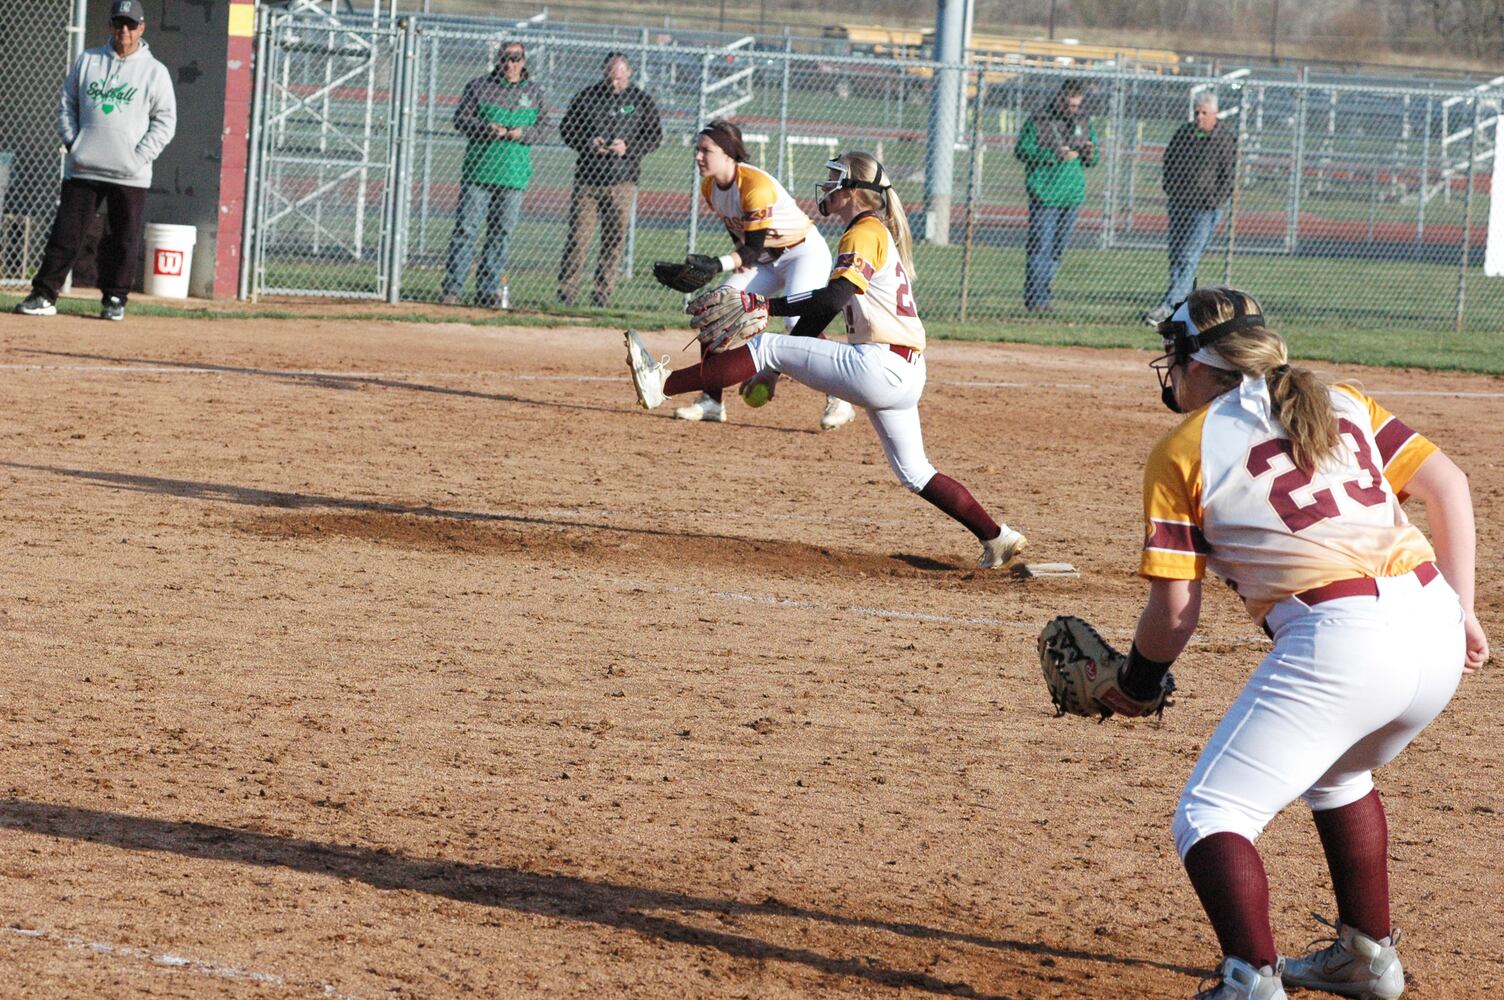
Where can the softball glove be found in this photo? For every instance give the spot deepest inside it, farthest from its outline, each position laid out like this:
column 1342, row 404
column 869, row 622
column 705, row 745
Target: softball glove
column 690, row 275
column 1081, row 671
column 726, row 318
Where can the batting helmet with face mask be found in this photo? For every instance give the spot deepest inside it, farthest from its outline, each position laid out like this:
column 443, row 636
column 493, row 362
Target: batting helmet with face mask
column 843, row 179
column 1184, row 343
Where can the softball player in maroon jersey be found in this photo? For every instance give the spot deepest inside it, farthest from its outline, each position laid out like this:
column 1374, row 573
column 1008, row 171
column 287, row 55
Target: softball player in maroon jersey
column 777, row 247
column 1289, row 490
column 880, row 369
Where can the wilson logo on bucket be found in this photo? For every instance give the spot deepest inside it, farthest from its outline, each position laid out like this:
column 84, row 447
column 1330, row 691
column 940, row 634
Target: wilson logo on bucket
column 169, row 262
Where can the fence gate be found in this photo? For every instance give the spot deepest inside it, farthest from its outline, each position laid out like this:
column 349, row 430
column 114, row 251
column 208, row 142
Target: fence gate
column 325, row 140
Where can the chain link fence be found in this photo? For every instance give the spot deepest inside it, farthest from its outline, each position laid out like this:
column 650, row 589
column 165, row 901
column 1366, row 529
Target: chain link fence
column 1345, row 203
column 35, row 53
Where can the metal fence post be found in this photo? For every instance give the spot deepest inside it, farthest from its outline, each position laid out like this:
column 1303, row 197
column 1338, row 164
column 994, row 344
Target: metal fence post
column 251, row 206
column 973, row 191
column 428, row 125
column 1297, row 168
column 1110, row 193
column 1467, row 219
column 694, row 174
column 785, row 165
column 1425, row 168
column 1237, row 186
column 399, row 169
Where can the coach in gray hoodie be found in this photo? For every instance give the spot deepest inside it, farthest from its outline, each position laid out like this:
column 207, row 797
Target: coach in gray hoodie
column 116, row 115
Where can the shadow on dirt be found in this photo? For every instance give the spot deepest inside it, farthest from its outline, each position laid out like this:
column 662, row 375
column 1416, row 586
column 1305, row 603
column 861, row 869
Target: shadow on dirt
column 564, row 896
column 426, row 528
column 337, row 380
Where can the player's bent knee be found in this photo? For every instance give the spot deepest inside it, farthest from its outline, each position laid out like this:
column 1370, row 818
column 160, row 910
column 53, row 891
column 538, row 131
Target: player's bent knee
column 915, row 482
column 1322, row 797
column 1196, row 819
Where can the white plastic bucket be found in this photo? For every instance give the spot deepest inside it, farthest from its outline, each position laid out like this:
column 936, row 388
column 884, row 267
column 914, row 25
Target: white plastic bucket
column 169, row 259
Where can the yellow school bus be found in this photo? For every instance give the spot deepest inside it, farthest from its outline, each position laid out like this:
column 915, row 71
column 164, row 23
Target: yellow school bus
column 1001, row 55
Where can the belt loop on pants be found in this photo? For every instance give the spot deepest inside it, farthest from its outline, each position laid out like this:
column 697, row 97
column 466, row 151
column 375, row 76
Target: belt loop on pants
column 907, row 353
column 1363, row 586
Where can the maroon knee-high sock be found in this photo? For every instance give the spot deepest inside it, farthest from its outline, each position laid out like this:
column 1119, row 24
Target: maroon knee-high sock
column 1356, row 840
column 727, row 368
column 957, row 501
column 1228, row 874
column 684, row 380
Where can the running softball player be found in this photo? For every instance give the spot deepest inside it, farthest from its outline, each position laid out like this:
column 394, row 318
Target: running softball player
column 881, row 368
column 1289, row 490
column 777, row 248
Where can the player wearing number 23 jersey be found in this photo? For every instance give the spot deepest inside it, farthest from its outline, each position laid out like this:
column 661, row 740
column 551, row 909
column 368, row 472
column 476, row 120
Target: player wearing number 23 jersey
column 1290, row 490
column 1222, row 492
column 880, row 368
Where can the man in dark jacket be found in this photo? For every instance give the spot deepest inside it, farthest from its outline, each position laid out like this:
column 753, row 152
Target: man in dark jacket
column 500, row 115
column 1199, row 174
column 612, row 125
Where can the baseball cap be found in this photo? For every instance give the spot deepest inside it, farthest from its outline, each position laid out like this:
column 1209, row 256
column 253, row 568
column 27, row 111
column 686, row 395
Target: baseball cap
column 127, row 8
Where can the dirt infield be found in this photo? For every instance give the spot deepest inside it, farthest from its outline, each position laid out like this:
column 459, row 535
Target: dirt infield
column 367, row 660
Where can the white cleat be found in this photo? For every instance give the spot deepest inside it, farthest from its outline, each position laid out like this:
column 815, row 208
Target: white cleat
column 1352, row 965
column 1241, row 981
column 703, row 409
column 648, row 375
column 1000, row 551
column 838, row 413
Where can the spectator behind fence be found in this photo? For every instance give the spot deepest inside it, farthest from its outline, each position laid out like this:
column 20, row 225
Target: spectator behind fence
column 1056, row 144
column 500, row 115
column 116, row 115
column 612, row 125
column 1198, row 180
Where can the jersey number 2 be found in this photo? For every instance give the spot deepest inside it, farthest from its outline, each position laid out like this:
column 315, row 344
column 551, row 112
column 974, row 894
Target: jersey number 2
column 904, row 300
column 1323, row 504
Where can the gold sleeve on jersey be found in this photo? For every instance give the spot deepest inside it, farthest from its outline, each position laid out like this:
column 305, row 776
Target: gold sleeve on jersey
column 758, row 196
column 1174, row 547
column 1401, row 451
column 862, row 252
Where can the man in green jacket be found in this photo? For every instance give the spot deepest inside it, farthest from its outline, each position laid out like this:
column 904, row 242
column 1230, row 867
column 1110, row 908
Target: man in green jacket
column 1056, row 144
column 501, row 114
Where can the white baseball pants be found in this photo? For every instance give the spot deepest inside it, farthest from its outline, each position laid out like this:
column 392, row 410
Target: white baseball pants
column 1349, row 683
column 885, row 384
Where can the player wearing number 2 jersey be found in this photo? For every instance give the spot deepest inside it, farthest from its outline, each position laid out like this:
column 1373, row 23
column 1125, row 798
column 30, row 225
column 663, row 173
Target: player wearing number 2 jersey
column 881, row 366
column 1290, row 490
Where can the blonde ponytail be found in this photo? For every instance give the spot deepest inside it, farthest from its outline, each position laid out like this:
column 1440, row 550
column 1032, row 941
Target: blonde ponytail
column 897, row 221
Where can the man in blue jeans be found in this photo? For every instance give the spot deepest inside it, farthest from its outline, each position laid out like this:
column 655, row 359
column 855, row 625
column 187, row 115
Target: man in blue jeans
column 500, row 114
column 1055, row 145
column 1199, row 172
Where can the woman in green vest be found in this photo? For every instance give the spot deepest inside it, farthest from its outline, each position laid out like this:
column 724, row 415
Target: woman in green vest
column 501, row 114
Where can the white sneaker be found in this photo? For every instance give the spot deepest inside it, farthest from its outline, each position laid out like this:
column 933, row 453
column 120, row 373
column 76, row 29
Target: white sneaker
column 648, row 375
column 1241, row 981
column 838, row 413
column 1352, row 965
column 704, row 408
column 1000, row 551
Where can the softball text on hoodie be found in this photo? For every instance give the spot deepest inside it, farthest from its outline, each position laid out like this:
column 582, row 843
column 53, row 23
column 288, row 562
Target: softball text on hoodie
column 116, row 115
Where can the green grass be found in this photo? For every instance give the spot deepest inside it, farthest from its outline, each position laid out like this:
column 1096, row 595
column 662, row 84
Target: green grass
column 1316, row 339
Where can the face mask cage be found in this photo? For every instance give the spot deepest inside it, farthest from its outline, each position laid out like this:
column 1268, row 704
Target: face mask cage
column 1182, row 340
column 843, row 179
column 824, row 189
